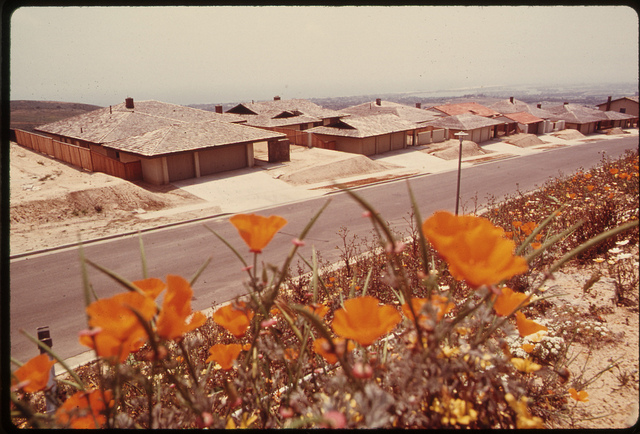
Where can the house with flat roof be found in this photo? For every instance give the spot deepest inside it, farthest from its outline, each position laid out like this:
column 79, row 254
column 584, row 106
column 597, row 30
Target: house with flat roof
column 171, row 142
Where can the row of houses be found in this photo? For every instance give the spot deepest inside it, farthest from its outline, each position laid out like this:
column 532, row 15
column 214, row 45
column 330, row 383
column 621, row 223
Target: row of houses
column 173, row 142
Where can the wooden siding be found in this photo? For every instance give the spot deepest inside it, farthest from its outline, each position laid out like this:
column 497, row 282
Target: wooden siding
column 79, row 156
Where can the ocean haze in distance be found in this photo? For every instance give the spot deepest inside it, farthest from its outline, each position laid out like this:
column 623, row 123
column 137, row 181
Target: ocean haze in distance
column 189, row 55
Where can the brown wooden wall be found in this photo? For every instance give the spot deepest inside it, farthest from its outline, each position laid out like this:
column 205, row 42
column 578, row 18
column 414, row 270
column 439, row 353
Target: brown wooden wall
column 78, row 156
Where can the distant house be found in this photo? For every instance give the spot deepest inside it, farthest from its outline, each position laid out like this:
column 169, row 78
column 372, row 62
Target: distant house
column 627, row 105
column 527, row 123
column 478, row 128
column 171, row 142
column 367, row 135
column 466, row 107
column 577, row 117
column 378, row 107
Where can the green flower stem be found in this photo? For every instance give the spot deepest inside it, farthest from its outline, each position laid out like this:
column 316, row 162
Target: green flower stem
column 592, row 242
column 187, row 359
column 200, row 270
column 552, row 241
column 538, row 229
column 57, row 358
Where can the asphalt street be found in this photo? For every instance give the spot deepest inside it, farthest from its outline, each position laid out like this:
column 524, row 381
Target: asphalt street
column 46, row 288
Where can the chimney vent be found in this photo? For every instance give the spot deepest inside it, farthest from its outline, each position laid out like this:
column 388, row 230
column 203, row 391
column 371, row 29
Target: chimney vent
column 218, row 109
column 418, row 105
column 539, row 106
column 565, row 103
column 276, row 98
column 128, row 103
column 608, row 107
column 511, row 100
column 378, row 101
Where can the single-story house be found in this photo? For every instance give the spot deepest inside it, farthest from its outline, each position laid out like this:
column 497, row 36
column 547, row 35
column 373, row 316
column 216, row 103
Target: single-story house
column 298, row 114
column 291, row 116
column 478, row 128
column 366, row 135
column 577, row 117
column 537, row 123
column 527, row 123
column 618, row 119
column 192, row 150
column 466, row 107
column 627, row 104
column 172, row 142
column 411, row 114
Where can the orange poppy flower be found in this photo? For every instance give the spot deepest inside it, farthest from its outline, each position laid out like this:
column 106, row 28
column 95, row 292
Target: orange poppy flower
column 588, row 175
column 224, row 355
column 528, row 227
column 85, row 409
column 120, row 332
column 526, row 326
column 581, row 396
column 34, row 375
column 257, row 231
column 323, row 348
column 528, row 348
column 439, row 302
column 590, row 187
column 507, row 301
column 525, row 365
column 176, row 308
column 319, row 309
column 291, row 353
column 151, row 286
column 474, row 248
column 364, row 321
column 613, row 171
column 235, row 320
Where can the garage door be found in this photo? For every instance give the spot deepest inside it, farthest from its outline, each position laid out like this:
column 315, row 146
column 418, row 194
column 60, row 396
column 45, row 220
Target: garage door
column 222, row 159
column 181, row 167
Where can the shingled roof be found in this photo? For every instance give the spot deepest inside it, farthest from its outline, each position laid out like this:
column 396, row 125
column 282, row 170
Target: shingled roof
column 523, row 117
column 411, row 114
column 464, row 122
column 466, row 107
column 574, row 113
column 277, row 107
column 191, row 136
column 117, row 122
column 365, row 126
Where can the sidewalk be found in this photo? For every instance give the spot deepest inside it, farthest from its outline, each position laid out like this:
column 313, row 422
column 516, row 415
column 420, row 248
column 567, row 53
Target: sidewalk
column 258, row 187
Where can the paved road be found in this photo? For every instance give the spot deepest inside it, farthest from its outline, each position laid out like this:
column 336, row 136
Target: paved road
column 46, row 289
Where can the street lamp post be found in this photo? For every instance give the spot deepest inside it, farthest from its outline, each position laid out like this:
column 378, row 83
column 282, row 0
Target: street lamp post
column 460, row 135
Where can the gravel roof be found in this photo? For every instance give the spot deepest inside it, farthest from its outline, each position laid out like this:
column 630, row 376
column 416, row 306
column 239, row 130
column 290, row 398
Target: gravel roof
column 523, row 117
column 117, row 122
column 191, row 136
column 464, row 122
column 275, row 107
column 408, row 113
column 365, row 126
column 575, row 113
column 466, row 107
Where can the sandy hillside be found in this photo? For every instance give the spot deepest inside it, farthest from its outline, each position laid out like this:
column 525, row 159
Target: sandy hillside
column 52, row 203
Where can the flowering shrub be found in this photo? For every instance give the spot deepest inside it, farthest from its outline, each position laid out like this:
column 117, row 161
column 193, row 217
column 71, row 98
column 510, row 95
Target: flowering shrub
column 426, row 333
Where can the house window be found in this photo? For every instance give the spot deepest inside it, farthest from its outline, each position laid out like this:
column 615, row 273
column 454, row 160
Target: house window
column 117, row 155
column 623, row 110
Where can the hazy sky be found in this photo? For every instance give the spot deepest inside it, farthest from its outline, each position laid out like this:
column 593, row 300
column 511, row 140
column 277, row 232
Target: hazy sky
column 215, row 54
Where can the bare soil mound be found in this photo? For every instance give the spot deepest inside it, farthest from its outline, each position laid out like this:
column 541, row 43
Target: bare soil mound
column 523, row 140
column 569, row 134
column 311, row 166
column 615, row 130
column 449, row 149
column 86, row 203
